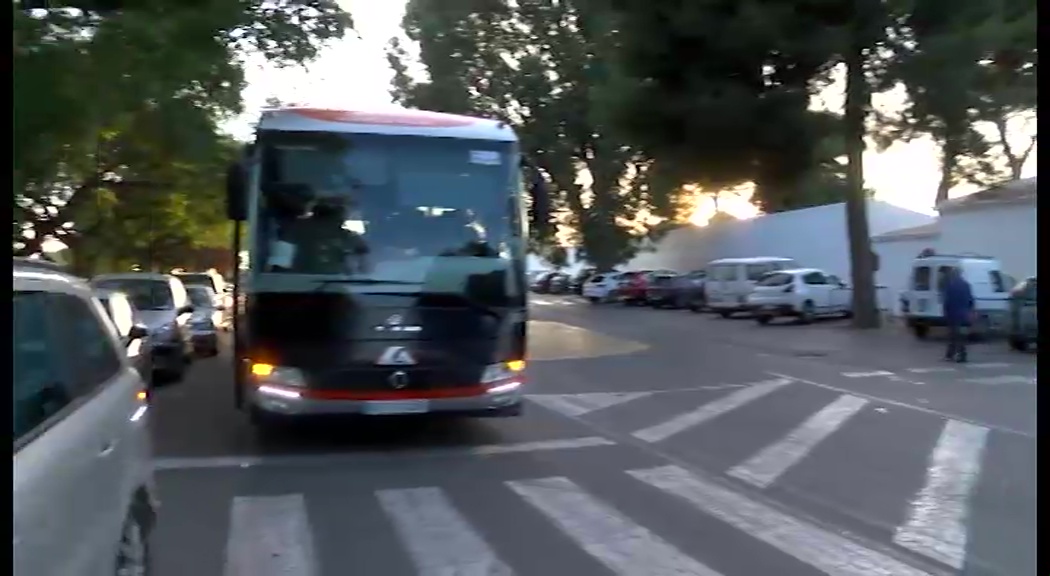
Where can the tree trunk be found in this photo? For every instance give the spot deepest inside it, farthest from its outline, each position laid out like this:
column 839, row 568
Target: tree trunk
column 865, row 311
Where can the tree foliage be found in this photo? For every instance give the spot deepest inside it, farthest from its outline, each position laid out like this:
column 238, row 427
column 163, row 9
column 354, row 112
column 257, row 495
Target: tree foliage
column 117, row 151
column 535, row 65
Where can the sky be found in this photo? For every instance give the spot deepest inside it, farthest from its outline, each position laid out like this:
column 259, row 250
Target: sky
column 353, row 73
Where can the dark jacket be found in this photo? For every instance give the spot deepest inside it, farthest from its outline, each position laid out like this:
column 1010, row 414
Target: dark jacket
column 958, row 301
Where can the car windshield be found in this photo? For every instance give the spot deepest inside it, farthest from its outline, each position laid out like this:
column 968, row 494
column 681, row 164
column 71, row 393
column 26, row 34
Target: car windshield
column 145, row 294
column 199, row 297
column 385, row 207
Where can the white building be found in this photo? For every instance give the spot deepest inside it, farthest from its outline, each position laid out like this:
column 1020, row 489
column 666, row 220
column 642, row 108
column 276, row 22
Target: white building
column 812, row 236
column 998, row 222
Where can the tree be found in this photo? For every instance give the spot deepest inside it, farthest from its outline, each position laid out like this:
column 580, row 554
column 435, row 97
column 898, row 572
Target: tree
column 117, row 111
column 533, row 64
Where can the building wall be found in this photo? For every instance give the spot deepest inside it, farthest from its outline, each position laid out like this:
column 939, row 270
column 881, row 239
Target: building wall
column 814, row 237
column 1005, row 231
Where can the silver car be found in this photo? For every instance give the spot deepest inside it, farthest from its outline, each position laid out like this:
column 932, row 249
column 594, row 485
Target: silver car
column 83, row 489
column 206, row 319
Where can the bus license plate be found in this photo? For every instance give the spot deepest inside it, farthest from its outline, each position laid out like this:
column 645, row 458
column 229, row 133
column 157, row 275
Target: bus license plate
column 381, row 407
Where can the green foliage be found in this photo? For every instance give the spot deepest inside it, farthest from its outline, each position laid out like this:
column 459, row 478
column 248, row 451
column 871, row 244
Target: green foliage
column 556, row 256
column 536, row 64
column 117, row 151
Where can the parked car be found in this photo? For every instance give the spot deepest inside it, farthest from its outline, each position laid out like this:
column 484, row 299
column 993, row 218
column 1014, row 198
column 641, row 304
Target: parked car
column 82, row 469
column 661, row 290
column 579, row 279
column 164, row 307
column 730, row 281
column 602, row 287
column 802, row 293
column 633, row 284
column 132, row 332
column 205, row 322
column 691, row 290
column 1023, row 325
column 223, row 290
column 921, row 304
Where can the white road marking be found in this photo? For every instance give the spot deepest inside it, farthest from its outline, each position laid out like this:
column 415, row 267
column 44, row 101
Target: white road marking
column 868, row 374
column 899, row 404
column 176, row 463
column 831, row 553
column 765, row 467
column 932, row 370
column 683, row 422
column 580, row 404
column 616, row 541
column 989, row 365
column 936, row 524
column 994, row 380
column 269, row 536
column 440, row 541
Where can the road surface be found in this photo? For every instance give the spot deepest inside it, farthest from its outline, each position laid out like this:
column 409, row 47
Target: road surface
column 655, row 442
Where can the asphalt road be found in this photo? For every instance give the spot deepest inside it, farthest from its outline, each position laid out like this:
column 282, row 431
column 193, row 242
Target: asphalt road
column 655, row 443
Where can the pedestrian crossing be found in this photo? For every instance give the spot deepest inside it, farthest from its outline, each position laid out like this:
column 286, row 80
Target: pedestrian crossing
column 986, row 373
column 937, row 513
column 440, row 533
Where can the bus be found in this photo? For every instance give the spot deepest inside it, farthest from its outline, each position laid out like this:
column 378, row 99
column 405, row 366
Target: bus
column 382, row 267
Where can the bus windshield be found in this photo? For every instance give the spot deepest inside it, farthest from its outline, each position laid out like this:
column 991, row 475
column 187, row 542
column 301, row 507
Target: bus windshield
column 379, row 206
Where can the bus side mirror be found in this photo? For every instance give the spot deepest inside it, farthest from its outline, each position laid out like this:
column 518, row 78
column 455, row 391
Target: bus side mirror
column 541, row 207
column 236, row 192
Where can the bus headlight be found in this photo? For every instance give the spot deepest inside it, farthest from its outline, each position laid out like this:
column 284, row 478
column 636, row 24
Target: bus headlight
column 270, row 375
column 503, row 372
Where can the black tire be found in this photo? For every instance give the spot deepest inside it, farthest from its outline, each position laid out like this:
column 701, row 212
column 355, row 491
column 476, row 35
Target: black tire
column 920, row 331
column 134, row 555
column 593, row 299
column 1019, row 344
column 764, row 319
column 807, row 313
column 725, row 313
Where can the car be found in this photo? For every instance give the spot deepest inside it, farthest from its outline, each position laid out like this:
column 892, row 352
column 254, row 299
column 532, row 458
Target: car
column 1023, row 325
column 205, row 322
column 601, row 287
column 662, row 290
column 921, row 303
column 133, row 334
column 223, row 290
column 579, row 279
column 801, row 293
column 83, row 495
column 165, row 309
column 631, row 290
column 730, row 281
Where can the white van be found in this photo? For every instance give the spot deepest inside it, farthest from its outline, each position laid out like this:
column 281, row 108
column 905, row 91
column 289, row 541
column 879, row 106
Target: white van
column 921, row 303
column 731, row 280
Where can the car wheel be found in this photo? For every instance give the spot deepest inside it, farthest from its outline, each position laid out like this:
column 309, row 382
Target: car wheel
column 133, row 551
column 725, row 314
column 593, row 299
column 764, row 319
column 1019, row 344
column 807, row 313
column 920, row 331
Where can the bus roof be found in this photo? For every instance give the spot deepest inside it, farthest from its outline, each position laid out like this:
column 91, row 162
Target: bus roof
column 396, row 121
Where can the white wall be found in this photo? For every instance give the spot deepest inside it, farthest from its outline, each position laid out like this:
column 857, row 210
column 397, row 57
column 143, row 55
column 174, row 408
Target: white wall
column 814, row 237
column 1005, row 231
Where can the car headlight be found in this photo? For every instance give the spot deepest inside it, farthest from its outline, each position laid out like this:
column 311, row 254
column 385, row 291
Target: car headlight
column 512, row 370
column 268, row 374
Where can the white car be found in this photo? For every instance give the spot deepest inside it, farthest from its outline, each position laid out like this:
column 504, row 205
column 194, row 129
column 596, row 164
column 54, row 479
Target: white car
column 83, row 476
column 601, row 287
column 802, row 293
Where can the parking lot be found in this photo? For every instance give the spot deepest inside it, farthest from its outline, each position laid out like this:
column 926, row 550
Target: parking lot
column 655, row 442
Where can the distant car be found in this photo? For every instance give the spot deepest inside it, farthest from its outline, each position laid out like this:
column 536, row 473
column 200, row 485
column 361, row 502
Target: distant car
column 205, row 322
column 579, row 279
column 1023, row 325
column 165, row 309
column 223, row 290
column 663, row 290
column 633, row 284
column 601, row 287
column 802, row 293
column 690, row 289
column 82, row 470
column 133, row 334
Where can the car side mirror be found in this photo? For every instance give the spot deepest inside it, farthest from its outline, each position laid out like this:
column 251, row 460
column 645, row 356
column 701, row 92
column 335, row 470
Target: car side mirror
column 187, row 309
column 137, row 332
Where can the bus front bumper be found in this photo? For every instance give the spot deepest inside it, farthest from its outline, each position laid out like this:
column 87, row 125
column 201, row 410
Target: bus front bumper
column 503, row 399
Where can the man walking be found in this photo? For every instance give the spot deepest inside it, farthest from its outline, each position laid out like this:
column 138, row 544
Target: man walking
column 958, row 311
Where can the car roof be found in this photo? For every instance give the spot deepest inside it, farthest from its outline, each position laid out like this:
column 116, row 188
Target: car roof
column 800, row 271
column 134, row 276
column 47, row 276
column 751, row 260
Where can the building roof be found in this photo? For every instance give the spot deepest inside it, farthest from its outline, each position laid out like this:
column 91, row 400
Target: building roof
column 393, row 121
column 1015, row 191
column 914, row 232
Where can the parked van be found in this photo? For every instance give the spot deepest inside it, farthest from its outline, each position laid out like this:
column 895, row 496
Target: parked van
column 730, row 281
column 922, row 303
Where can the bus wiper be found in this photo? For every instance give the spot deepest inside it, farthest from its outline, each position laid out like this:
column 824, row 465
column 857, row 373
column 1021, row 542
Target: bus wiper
column 469, row 302
column 362, row 282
